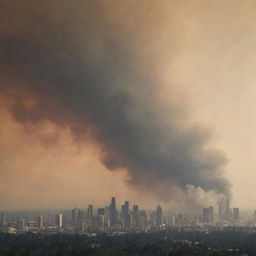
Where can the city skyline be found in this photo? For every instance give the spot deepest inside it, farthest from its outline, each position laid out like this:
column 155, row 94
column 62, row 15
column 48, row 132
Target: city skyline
column 125, row 217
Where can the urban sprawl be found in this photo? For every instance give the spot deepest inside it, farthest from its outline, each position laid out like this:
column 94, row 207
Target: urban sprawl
column 127, row 219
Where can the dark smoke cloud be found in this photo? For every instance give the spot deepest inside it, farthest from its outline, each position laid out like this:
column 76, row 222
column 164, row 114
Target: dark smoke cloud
column 92, row 66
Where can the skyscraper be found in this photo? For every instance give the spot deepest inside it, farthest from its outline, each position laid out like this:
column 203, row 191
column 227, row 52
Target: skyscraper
column 205, row 215
column 100, row 222
column 159, row 217
column 224, row 210
column 59, row 220
column 90, row 215
column 113, row 213
column 81, row 217
column 74, row 216
column 208, row 215
column 227, row 210
column 125, row 209
column 211, row 214
column 107, row 220
column 128, row 221
column 100, row 219
column 143, row 218
column 3, row 220
column 41, row 222
column 136, row 217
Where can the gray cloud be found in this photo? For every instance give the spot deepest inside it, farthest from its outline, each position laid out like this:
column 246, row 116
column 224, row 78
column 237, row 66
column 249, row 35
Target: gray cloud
column 90, row 66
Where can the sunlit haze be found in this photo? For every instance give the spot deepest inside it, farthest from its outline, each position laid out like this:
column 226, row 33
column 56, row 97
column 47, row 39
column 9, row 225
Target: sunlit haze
column 148, row 101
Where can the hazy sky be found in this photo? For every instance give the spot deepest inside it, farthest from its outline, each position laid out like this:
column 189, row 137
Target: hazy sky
column 193, row 61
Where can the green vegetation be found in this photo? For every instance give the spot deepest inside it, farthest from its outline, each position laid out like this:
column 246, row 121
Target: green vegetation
column 161, row 243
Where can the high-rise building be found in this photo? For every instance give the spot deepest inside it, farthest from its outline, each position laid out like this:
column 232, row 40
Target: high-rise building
column 90, row 216
column 227, row 210
column 159, row 217
column 107, row 220
column 205, row 215
column 122, row 212
column 100, row 222
column 41, row 222
column 59, row 220
column 100, row 219
column 113, row 203
column 74, row 216
column 128, row 221
column 136, row 217
column 113, row 213
column 81, row 219
column 143, row 218
column 236, row 216
column 173, row 220
column 125, row 209
column 3, row 221
column 224, row 210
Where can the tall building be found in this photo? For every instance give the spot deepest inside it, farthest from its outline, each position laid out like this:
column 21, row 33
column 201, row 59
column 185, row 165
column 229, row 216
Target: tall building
column 59, row 220
column 3, row 221
column 90, row 216
column 41, row 222
column 136, row 217
column 211, row 214
column 100, row 222
column 236, row 216
column 224, row 210
column 122, row 212
column 113, row 213
column 173, row 220
column 100, row 219
column 143, row 218
column 74, row 216
column 227, row 210
column 128, row 221
column 125, row 209
column 107, row 220
column 159, row 217
column 81, row 219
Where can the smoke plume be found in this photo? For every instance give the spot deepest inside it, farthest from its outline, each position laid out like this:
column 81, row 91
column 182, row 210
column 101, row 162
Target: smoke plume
column 95, row 67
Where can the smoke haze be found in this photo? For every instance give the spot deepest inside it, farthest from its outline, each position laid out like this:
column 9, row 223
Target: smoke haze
column 96, row 71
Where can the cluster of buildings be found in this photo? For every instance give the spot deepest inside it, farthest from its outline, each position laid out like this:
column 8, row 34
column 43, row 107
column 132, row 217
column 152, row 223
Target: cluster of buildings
column 110, row 218
column 125, row 219
column 104, row 219
column 226, row 215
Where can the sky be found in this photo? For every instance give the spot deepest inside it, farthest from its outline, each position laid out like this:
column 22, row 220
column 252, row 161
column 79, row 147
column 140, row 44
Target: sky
column 150, row 101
